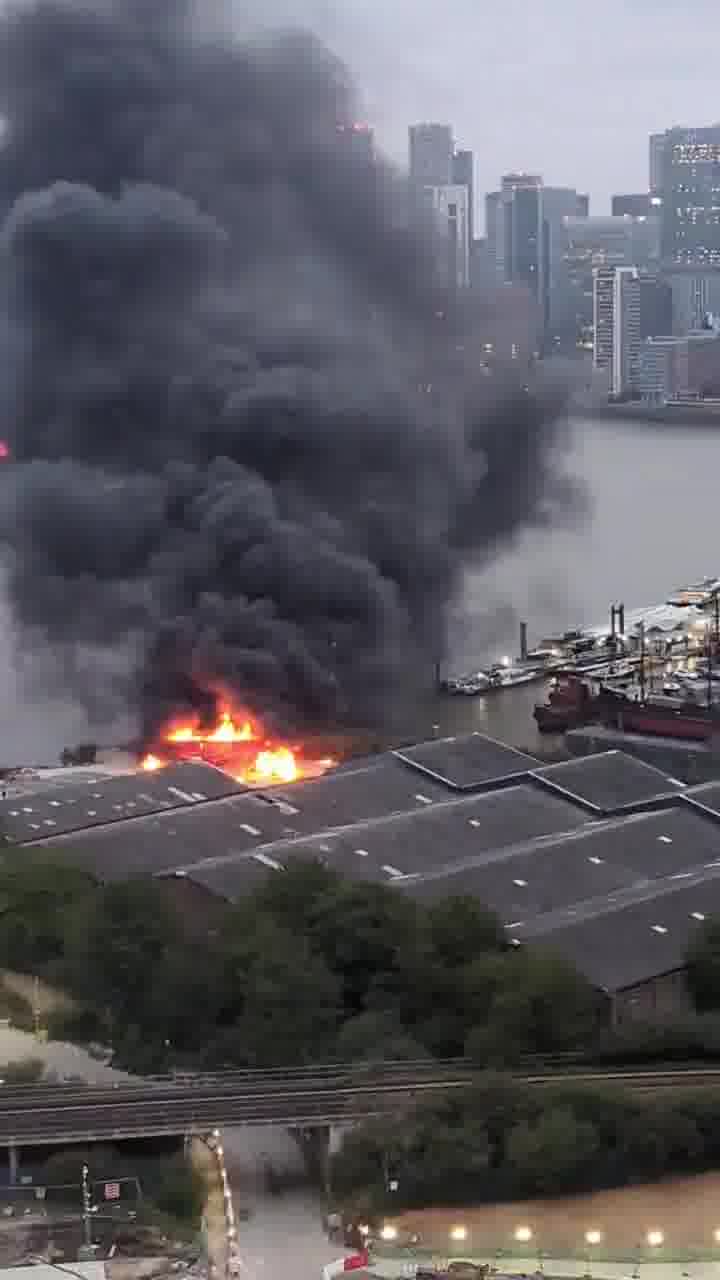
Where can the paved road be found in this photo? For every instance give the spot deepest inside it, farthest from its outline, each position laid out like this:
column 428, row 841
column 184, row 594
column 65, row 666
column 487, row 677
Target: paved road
column 38, row 1114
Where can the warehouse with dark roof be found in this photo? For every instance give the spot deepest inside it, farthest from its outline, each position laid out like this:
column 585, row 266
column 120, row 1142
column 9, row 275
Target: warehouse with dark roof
column 605, row 859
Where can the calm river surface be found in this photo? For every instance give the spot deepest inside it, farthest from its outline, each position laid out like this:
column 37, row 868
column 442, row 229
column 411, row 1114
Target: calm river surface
column 653, row 523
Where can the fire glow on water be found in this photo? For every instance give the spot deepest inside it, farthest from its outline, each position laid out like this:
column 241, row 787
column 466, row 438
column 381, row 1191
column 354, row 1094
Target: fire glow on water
column 237, row 744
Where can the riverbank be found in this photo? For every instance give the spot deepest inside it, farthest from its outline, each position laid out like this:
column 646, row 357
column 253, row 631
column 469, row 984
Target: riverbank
column 679, row 416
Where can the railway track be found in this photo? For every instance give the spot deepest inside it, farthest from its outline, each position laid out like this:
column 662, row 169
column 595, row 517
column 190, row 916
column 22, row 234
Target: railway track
column 36, row 1114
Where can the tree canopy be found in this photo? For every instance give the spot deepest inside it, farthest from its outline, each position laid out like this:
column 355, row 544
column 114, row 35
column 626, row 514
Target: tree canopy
column 310, row 966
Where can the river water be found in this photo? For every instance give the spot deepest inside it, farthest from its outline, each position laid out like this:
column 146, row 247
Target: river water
column 652, row 523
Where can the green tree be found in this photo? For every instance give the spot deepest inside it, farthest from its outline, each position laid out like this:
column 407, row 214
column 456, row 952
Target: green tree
column 462, row 928
column 35, row 897
column 555, row 1153
column 361, row 931
column 282, row 1004
column 703, row 966
column 542, row 1005
column 293, row 898
column 377, row 1036
column 186, row 995
column 116, row 944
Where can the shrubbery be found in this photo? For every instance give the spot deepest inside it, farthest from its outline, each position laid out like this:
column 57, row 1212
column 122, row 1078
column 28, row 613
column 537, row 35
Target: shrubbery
column 499, row 1140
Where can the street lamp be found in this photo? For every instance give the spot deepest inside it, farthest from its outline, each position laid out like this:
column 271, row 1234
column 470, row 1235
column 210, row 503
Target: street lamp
column 655, row 1239
column 389, row 1232
column 523, row 1235
column 458, row 1234
column 592, row 1239
column 87, row 1249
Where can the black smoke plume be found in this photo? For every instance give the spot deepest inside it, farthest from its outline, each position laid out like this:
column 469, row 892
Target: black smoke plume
column 251, row 448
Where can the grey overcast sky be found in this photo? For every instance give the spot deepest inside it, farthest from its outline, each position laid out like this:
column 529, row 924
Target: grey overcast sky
column 560, row 87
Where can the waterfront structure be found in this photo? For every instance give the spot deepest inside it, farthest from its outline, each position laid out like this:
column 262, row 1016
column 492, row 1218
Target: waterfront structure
column 691, row 197
column 616, row 322
column 449, row 204
column 679, row 368
column 431, row 155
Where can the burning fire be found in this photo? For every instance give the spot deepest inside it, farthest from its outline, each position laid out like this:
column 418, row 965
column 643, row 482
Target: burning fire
column 237, row 745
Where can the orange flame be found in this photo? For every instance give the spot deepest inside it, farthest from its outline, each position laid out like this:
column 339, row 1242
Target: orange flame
column 226, row 730
column 271, row 763
column 276, row 766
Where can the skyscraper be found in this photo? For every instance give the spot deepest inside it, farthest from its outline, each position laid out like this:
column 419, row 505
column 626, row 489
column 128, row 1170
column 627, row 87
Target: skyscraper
column 463, row 175
column 604, row 242
column 431, row 155
column 691, row 197
column 450, row 206
column 522, row 231
column 655, row 166
column 557, row 205
column 494, row 234
column 616, row 315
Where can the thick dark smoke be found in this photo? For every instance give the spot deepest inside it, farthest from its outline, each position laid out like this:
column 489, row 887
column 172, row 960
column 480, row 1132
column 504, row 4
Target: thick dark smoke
column 250, row 445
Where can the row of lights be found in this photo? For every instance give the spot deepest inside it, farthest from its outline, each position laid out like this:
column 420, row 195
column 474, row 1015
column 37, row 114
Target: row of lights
column 231, row 1229
column 523, row 1235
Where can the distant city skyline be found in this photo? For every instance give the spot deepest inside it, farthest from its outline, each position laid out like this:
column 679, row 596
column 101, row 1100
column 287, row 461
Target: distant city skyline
column 566, row 91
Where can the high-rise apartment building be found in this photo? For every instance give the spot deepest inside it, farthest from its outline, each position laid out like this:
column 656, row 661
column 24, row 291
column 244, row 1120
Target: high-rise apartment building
column 690, row 191
column 616, row 315
column 431, row 155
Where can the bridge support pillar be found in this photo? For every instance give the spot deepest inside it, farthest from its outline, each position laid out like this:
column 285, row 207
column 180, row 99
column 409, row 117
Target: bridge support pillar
column 13, row 1164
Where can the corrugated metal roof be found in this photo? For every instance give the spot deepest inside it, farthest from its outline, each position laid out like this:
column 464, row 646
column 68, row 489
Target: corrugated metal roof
column 609, row 781
column 634, row 937
column 78, row 805
column 388, row 849
column 467, row 762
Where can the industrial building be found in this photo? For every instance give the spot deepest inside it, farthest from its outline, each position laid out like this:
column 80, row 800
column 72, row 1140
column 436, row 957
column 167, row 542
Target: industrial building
column 605, row 859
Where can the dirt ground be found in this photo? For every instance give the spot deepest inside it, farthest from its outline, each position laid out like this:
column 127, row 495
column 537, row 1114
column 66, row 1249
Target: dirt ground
column 686, row 1210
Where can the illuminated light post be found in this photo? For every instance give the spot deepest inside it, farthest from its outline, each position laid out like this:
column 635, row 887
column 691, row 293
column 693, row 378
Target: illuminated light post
column 87, row 1249
column 458, row 1234
column 389, row 1232
column 592, row 1239
column 523, row 1235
